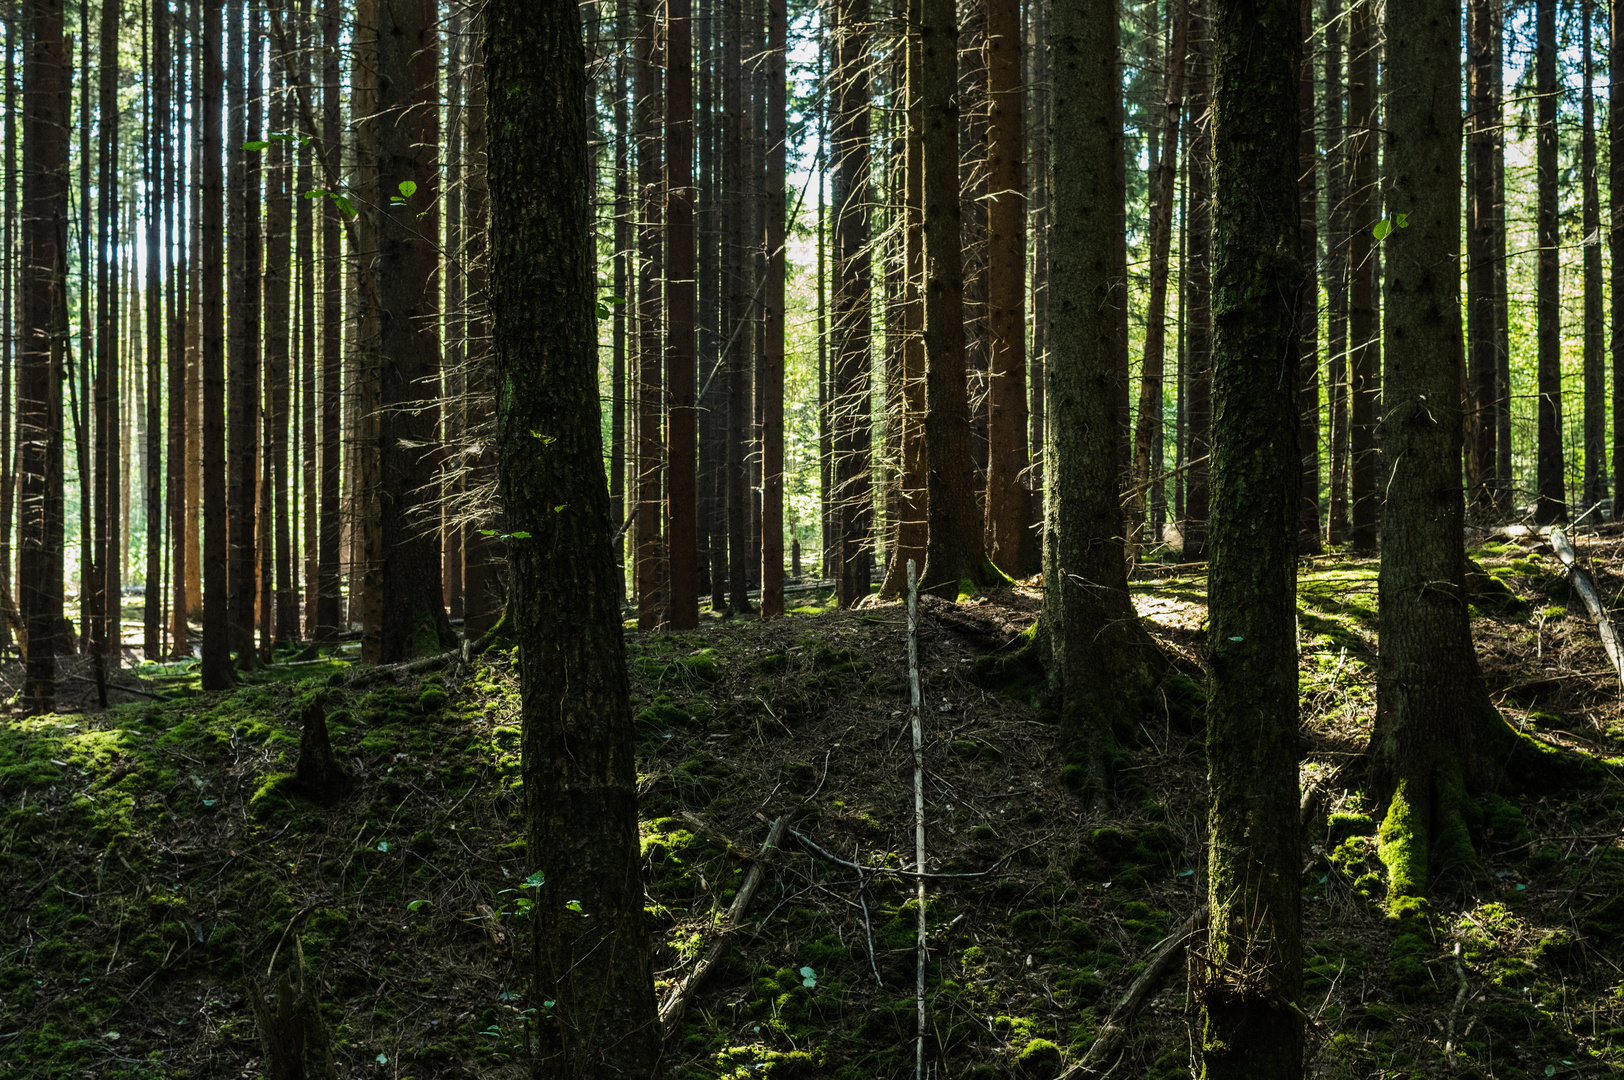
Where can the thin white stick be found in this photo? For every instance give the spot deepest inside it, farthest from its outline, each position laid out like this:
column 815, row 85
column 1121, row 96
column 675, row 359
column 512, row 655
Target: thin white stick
column 919, row 811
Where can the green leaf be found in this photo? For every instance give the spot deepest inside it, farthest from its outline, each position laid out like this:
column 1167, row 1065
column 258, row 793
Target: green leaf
column 317, row 193
column 383, row 845
column 559, row 509
column 415, row 904
column 575, row 906
column 1404, row 221
column 536, row 880
column 381, row 1059
column 344, row 205
column 255, row 144
column 487, row 532
column 519, row 535
column 408, row 188
column 1381, row 230
column 546, row 439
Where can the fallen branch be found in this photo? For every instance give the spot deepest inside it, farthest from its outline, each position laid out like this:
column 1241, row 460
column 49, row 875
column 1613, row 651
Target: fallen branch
column 671, row 1011
column 1587, row 591
column 1115, row 1027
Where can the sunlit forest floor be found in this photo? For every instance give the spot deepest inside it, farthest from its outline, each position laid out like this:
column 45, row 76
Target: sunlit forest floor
column 157, row 863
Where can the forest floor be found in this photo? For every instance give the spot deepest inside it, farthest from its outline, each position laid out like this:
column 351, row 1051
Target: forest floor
column 157, row 868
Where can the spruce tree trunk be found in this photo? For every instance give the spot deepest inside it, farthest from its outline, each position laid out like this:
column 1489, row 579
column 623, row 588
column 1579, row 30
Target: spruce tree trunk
column 180, row 413
column 242, row 332
column 953, row 554
column 1595, row 360
column 773, row 316
column 284, row 621
column 649, row 548
column 849, row 401
column 735, row 324
column 1252, row 959
column 1308, row 394
column 1100, row 655
column 8, row 355
column 1148, row 428
column 215, row 666
column 1550, row 482
column 580, row 781
column 1615, row 243
column 1438, row 739
column 1037, row 175
column 1482, row 120
column 157, row 122
column 681, row 495
column 105, row 590
column 482, row 586
column 1011, row 542
column 1336, row 276
column 328, row 598
column 1198, row 290
column 1364, row 357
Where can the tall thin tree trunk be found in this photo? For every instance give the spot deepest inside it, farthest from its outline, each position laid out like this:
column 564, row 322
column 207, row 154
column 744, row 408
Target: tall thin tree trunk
column 1595, row 327
column 736, row 323
column 176, row 231
column 1336, row 276
column 773, row 313
column 278, row 317
column 1010, row 539
column 652, row 609
column 242, row 332
column 328, row 599
column 1482, row 122
column 1364, row 366
column 1308, row 395
column 1148, row 429
column 682, row 493
column 216, row 660
column 1550, row 480
column 1037, row 175
column 1198, row 335
column 1615, row 238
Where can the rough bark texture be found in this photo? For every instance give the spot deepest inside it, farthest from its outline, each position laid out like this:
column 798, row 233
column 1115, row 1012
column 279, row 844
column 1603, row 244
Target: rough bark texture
column 579, row 774
column 39, row 394
column 1251, row 966
column 1595, row 362
column 1438, row 738
column 1364, row 355
column 1198, row 290
column 413, row 618
column 1615, row 246
column 1336, row 276
column 773, row 313
column 953, row 552
column 1308, row 393
column 649, row 558
column 1011, row 542
column 1551, row 498
column 849, row 402
column 242, row 351
column 681, row 505
column 1482, row 118
column 215, row 667
column 1099, row 653
column 328, row 598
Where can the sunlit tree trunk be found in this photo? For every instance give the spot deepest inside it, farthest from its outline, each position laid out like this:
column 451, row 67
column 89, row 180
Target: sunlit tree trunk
column 1550, row 503
column 1364, row 346
column 773, row 314
column 1595, row 360
column 1198, row 323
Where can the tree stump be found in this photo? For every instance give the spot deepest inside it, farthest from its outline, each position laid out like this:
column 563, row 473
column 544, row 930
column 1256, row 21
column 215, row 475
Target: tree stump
column 319, row 774
column 295, row 1040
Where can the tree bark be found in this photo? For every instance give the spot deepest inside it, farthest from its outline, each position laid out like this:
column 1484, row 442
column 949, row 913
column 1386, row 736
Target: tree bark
column 157, row 122
column 1198, row 289
column 1551, row 497
column 1308, row 394
column 242, row 332
column 1595, row 327
column 578, row 743
column 215, row 666
column 284, row 621
column 328, row 597
column 849, row 401
column 1252, row 960
column 1364, row 356
column 652, row 611
column 1100, row 655
column 1010, row 539
column 773, row 315
column 1437, row 735
column 1482, row 121
column 1336, row 276
column 681, row 503
column 1615, row 242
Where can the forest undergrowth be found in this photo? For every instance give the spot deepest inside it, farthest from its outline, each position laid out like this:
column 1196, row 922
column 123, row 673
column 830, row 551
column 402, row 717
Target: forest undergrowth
column 158, row 858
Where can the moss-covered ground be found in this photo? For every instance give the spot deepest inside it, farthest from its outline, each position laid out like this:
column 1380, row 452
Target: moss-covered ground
column 156, row 858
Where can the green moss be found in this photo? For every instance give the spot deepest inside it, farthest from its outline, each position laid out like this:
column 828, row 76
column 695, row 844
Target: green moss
column 1040, row 1059
column 1402, row 848
column 1341, row 826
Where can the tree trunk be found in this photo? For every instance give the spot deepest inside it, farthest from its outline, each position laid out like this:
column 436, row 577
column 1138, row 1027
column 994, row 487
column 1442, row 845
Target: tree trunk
column 773, row 314
column 480, row 581
column 953, row 556
column 328, row 598
column 735, row 324
column 1198, row 334
column 1482, row 120
column 412, row 614
column 1551, row 498
column 215, row 667
column 1437, row 737
column 1100, row 655
column 157, row 121
column 1011, row 542
column 105, row 598
column 1364, row 357
column 578, row 742
column 652, row 610
column 849, row 400
column 1595, row 327
column 278, row 313
column 242, row 389
column 1336, row 276
column 1148, row 429
column 681, row 507
column 1308, row 395
column 1615, row 242
column 1037, row 174
column 1253, row 959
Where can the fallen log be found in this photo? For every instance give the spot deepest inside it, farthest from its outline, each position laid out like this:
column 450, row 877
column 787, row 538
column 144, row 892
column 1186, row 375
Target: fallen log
column 677, row 1002
column 1586, row 589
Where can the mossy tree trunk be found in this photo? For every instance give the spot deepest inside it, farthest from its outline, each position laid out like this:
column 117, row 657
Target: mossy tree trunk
column 579, row 778
column 1438, row 738
column 1101, row 656
column 1249, row 976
